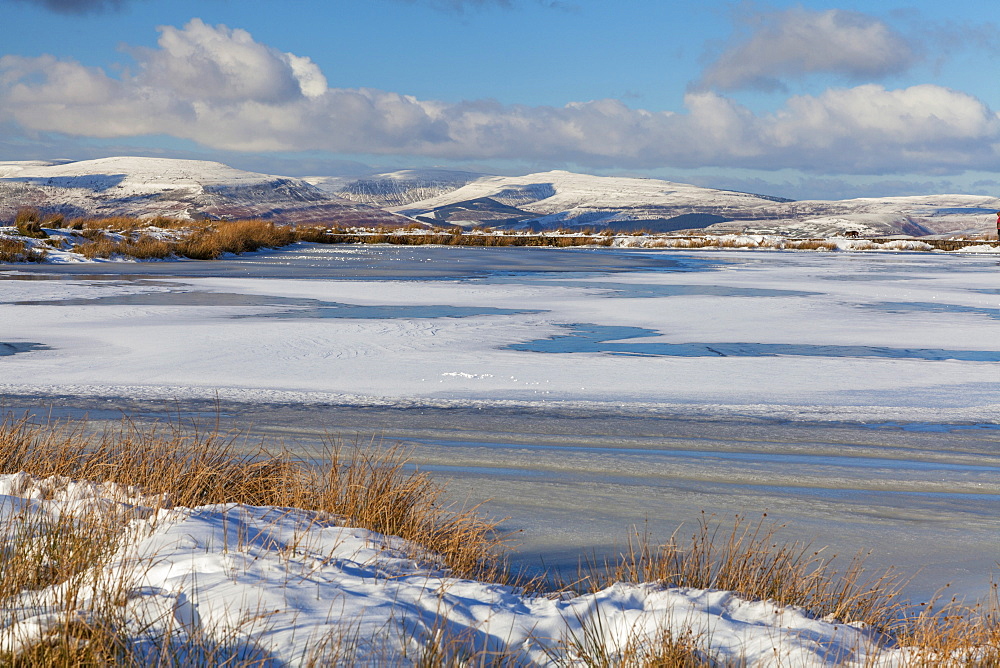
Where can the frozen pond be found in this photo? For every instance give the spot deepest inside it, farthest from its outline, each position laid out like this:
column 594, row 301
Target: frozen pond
column 853, row 397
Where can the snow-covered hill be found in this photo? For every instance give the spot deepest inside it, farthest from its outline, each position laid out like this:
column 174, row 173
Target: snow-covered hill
column 564, row 199
column 178, row 188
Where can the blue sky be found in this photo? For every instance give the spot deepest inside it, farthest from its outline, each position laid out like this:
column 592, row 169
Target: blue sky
column 805, row 100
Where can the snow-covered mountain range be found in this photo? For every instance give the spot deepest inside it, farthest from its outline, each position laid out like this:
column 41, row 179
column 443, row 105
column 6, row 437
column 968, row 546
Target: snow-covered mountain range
column 129, row 186
column 563, row 199
column 545, row 200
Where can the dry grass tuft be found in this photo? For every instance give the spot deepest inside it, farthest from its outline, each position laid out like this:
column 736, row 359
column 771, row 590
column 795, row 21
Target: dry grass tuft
column 100, row 246
column 374, row 488
column 13, row 250
column 315, row 234
column 203, row 241
column 741, row 241
column 127, row 223
column 28, row 222
column 143, row 247
column 953, row 633
column 146, row 247
column 597, row 647
column 810, row 244
column 42, row 550
column 242, row 236
column 27, row 214
column 54, row 221
column 748, row 558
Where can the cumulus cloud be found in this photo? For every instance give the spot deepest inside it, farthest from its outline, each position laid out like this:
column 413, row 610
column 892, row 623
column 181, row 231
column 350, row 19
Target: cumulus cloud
column 208, row 63
column 219, row 87
column 798, row 42
column 77, row 6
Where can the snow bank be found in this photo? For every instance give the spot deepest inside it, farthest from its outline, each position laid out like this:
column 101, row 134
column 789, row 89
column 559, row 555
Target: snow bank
column 981, row 248
column 57, row 494
column 291, row 585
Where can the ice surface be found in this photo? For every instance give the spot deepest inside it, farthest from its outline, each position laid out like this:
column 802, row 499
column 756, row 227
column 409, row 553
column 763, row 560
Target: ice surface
column 792, row 338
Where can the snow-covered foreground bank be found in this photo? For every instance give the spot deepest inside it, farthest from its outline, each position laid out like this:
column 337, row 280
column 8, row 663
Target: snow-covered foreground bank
column 292, row 586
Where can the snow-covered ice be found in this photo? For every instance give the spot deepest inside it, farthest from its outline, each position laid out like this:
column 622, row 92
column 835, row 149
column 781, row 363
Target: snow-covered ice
column 886, row 338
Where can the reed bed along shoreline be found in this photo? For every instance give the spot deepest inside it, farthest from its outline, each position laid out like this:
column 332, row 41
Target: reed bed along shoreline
column 370, row 486
column 36, row 238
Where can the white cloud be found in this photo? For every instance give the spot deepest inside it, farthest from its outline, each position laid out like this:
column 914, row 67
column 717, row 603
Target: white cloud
column 798, row 42
column 217, row 63
column 219, row 87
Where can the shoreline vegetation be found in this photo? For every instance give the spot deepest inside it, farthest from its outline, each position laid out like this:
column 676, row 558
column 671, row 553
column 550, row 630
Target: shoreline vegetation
column 155, row 472
column 35, row 237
